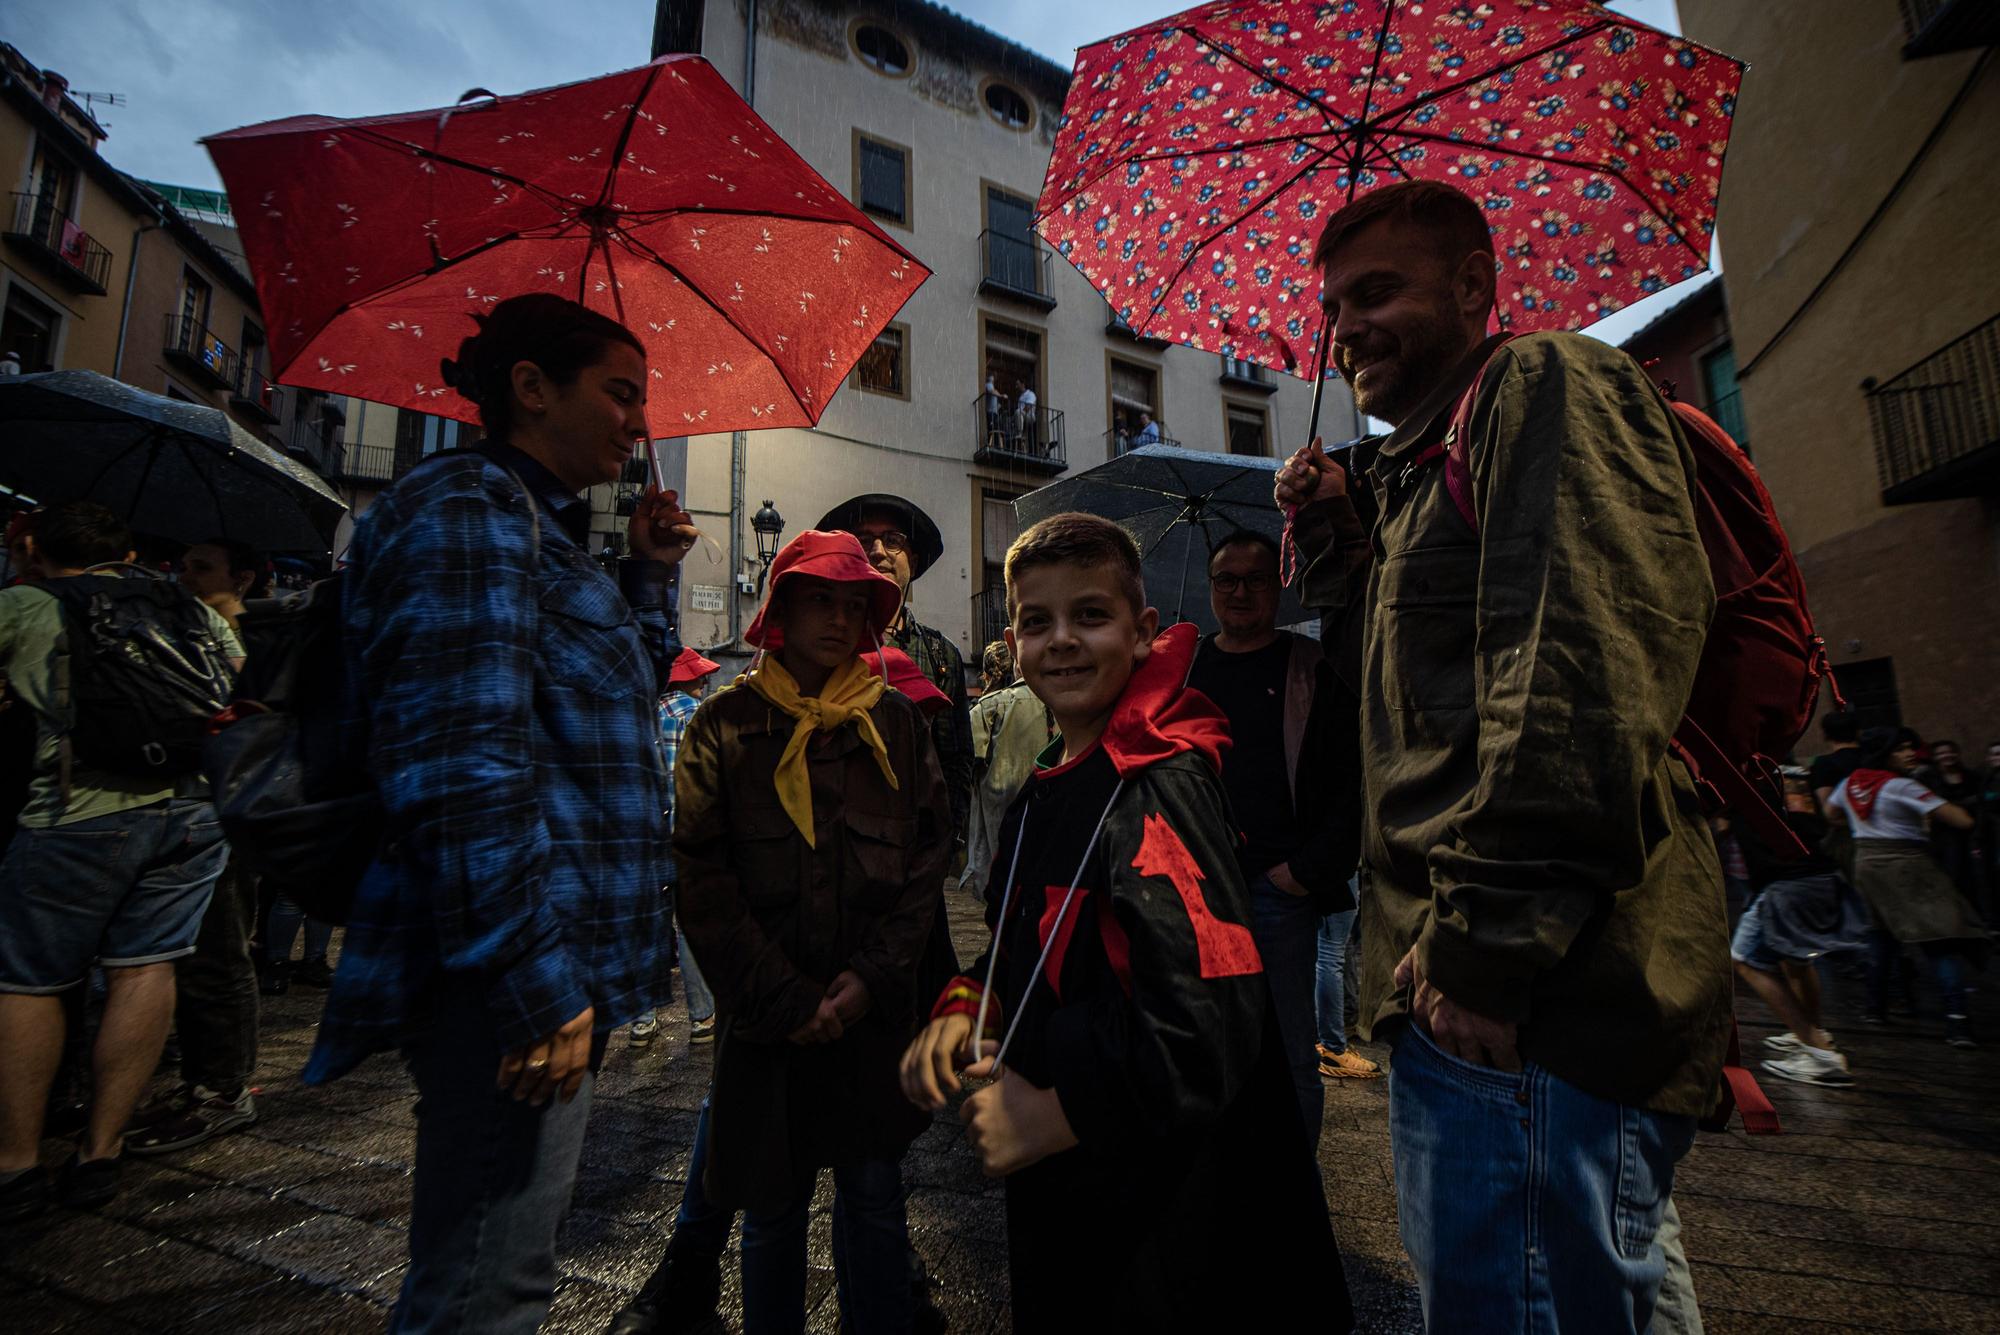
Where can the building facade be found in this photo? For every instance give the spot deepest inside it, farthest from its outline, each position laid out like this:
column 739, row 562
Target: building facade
column 941, row 131
column 1863, row 276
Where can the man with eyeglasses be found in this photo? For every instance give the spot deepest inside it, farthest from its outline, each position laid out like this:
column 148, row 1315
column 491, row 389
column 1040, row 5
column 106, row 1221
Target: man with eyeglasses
column 1293, row 777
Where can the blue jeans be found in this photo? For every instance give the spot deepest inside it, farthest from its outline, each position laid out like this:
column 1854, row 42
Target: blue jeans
column 1525, row 1203
column 1286, row 930
column 119, row 891
column 493, row 1181
column 701, row 1227
column 871, row 1244
column 701, row 1001
column 1330, row 999
column 282, row 928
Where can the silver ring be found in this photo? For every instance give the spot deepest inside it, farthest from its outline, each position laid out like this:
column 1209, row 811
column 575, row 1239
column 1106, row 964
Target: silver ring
column 536, row 1065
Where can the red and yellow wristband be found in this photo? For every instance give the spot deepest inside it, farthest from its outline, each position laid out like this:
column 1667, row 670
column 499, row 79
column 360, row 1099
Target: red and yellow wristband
column 961, row 997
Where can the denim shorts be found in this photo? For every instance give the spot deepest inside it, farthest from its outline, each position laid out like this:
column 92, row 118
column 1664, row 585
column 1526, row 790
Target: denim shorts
column 1748, row 946
column 119, row 890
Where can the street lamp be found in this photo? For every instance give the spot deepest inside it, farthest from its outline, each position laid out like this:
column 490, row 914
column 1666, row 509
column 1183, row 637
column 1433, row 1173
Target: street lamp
column 769, row 524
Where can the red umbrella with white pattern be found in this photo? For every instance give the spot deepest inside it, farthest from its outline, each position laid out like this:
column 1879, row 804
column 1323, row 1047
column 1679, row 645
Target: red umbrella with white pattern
column 655, row 195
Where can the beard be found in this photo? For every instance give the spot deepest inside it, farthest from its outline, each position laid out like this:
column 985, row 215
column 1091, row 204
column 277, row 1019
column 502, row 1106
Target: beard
column 1410, row 366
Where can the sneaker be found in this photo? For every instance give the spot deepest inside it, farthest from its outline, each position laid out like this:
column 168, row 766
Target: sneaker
column 1346, row 1064
column 1812, row 1066
column 207, row 1115
column 86, row 1184
column 679, row 1298
column 645, row 1029
column 703, row 1031
column 1958, row 1031
column 1787, row 1043
column 24, row 1195
column 312, row 973
column 174, row 1103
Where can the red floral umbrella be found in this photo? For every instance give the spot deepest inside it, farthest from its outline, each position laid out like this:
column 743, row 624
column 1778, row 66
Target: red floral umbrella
column 655, row 195
column 1200, row 155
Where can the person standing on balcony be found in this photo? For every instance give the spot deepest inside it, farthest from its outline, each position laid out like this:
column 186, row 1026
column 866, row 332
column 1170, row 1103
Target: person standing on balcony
column 1024, row 411
column 1149, row 431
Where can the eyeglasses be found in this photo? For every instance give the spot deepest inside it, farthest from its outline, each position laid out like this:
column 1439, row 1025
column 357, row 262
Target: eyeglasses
column 892, row 540
column 1257, row 583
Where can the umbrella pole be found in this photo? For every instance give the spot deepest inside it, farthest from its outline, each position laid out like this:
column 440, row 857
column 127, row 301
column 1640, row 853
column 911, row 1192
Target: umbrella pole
column 1319, row 376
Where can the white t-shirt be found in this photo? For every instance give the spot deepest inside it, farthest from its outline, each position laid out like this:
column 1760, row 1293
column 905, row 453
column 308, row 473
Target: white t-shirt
column 1899, row 811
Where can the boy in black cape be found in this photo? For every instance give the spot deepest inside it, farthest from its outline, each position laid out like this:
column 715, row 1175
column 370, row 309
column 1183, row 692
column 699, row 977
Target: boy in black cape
column 1141, row 1109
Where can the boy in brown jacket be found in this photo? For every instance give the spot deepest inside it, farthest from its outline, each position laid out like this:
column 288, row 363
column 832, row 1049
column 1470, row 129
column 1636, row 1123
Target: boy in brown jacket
column 811, row 835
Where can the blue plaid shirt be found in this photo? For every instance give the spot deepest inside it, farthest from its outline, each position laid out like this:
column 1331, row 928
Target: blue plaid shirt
column 676, row 708
column 508, row 695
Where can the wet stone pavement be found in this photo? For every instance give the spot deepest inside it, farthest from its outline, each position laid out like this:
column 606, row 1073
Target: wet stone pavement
column 1876, row 1211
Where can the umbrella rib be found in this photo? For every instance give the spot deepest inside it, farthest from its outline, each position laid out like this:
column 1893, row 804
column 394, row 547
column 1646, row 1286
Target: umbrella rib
column 611, row 277
column 151, row 433
column 1334, row 118
column 1368, row 96
column 1491, row 71
column 645, row 251
column 493, row 173
column 625, row 136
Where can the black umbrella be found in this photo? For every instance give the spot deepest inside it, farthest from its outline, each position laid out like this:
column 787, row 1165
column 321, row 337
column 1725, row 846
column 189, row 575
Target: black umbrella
column 182, row 471
column 1179, row 505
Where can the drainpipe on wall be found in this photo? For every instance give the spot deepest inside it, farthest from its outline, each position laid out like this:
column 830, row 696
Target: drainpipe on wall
column 739, row 443
column 131, row 278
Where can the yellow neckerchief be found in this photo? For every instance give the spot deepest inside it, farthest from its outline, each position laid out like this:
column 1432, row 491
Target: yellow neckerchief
column 846, row 698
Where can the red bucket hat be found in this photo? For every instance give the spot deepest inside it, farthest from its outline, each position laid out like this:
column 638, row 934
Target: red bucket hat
column 907, row 677
column 691, row 666
column 831, row 556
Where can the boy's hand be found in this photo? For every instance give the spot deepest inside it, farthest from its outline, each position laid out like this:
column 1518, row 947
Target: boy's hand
column 1308, row 476
column 931, row 1062
column 1464, row 1033
column 824, row 1027
column 1011, row 1124
column 849, row 996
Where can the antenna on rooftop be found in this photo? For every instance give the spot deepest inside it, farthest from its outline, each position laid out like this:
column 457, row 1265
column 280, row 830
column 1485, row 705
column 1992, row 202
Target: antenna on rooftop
column 90, row 101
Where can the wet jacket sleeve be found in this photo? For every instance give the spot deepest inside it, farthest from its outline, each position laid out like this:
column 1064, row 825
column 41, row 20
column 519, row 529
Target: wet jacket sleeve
column 653, row 590
column 887, row 962
column 1171, row 1056
column 1592, row 601
column 766, row 996
column 447, row 652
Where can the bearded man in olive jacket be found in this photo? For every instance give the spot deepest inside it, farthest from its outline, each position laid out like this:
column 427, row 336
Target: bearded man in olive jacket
column 1544, row 934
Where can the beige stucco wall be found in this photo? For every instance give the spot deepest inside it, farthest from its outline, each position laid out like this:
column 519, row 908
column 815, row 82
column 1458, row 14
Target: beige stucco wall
column 1830, row 116
column 815, row 93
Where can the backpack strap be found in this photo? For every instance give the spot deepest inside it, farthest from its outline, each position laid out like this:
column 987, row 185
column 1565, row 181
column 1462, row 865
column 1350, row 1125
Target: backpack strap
column 1710, row 767
column 1742, row 1094
column 1453, row 448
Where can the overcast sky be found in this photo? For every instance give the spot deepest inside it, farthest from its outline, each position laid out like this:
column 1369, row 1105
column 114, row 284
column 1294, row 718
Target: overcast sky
column 197, row 67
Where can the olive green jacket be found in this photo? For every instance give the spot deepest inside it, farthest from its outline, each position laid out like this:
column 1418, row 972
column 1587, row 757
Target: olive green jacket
column 1526, row 827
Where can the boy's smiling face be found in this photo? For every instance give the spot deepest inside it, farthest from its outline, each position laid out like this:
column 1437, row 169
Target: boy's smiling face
column 1077, row 638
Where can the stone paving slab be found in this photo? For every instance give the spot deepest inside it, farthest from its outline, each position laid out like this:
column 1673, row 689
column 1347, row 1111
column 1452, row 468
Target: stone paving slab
column 1879, row 1210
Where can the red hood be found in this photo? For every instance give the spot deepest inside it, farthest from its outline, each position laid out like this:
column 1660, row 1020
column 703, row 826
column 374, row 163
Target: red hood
column 1159, row 715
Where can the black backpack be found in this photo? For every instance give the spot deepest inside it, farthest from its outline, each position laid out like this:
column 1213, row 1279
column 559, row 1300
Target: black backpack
column 146, row 673
column 286, row 764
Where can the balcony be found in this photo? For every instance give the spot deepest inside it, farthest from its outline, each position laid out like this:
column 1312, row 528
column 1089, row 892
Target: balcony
column 1239, row 373
column 1016, row 268
column 369, row 465
column 256, row 398
column 59, row 245
column 315, row 436
column 1009, row 438
column 1935, row 27
column 989, row 616
column 1118, row 442
column 1114, row 323
column 192, row 347
column 1937, row 425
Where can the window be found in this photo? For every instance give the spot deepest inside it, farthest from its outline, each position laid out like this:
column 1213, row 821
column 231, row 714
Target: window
column 1249, row 432
column 881, row 50
column 1135, row 397
column 998, row 528
column 1870, row 688
column 885, row 367
column 28, row 330
column 1242, row 368
column 882, row 178
column 1724, row 398
column 1006, row 105
column 54, row 183
column 1012, row 257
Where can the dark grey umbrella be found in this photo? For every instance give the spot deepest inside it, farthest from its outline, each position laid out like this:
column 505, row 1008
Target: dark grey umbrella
column 1179, row 505
column 182, row 471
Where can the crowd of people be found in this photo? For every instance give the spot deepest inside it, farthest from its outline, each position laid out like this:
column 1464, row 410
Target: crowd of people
column 1454, row 811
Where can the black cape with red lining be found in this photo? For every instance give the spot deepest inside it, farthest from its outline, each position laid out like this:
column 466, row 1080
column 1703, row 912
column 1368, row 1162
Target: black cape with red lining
column 1192, row 1198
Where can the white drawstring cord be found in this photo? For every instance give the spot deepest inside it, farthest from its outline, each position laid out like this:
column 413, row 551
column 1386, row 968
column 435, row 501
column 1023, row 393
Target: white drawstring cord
column 1055, row 930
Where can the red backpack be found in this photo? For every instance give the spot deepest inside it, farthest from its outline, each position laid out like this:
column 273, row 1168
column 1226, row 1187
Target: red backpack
column 1757, row 685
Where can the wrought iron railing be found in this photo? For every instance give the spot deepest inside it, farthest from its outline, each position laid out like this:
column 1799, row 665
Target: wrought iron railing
column 190, row 343
column 366, row 463
column 256, row 395
column 989, row 615
column 81, row 258
column 1015, row 266
column 1118, row 442
column 1009, row 435
column 1933, row 417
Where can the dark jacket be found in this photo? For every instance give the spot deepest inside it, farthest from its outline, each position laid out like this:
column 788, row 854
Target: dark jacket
column 1526, row 828
column 773, row 920
column 1191, row 1186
